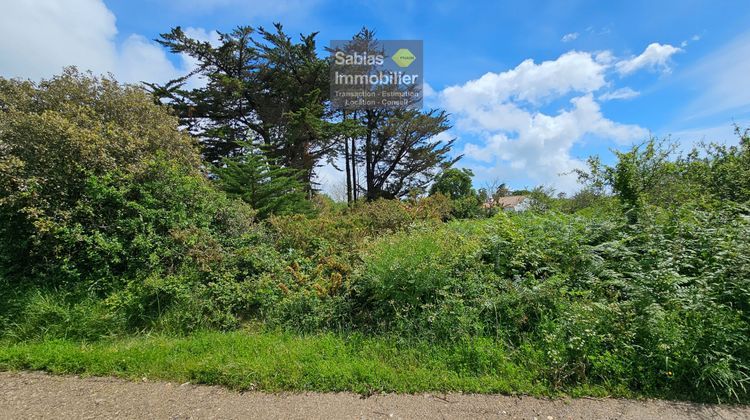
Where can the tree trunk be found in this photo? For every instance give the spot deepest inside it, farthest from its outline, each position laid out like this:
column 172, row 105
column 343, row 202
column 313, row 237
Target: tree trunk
column 354, row 168
column 369, row 167
column 348, row 171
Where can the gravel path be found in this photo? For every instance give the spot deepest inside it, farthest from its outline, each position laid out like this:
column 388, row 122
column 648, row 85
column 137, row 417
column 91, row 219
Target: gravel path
column 37, row 395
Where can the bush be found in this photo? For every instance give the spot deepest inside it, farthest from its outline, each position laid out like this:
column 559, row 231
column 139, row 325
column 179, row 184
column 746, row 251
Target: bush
column 103, row 204
column 660, row 307
column 421, row 283
column 59, row 141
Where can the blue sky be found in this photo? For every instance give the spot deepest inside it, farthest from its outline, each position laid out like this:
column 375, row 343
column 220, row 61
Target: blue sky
column 533, row 87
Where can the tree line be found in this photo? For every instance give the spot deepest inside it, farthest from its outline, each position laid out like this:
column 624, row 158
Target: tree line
column 264, row 117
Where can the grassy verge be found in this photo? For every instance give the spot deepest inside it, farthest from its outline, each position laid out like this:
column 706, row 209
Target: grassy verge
column 276, row 361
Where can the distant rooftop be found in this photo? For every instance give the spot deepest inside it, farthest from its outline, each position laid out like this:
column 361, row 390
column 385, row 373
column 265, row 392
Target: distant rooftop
column 509, row 201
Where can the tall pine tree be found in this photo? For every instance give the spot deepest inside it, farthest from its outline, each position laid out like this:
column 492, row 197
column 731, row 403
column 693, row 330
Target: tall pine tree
column 260, row 87
column 268, row 188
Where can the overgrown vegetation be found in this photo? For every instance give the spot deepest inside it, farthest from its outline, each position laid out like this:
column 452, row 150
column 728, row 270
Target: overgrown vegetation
column 117, row 249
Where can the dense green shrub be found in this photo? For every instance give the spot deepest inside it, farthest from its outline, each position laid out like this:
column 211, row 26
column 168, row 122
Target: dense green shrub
column 61, row 139
column 660, row 306
column 108, row 223
column 422, row 282
column 468, row 207
column 340, row 232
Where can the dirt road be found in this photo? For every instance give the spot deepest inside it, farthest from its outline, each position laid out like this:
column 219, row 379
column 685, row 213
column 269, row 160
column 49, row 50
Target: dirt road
column 37, row 395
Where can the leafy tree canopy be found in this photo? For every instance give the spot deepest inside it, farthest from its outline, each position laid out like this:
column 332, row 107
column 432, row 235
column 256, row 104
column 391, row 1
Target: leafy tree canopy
column 261, row 87
column 454, row 183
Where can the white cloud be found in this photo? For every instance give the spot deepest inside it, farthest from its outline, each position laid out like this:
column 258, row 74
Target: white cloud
column 80, row 33
column 428, row 91
column 140, row 60
column 201, row 34
column 604, row 57
column 622, row 93
column 444, row 137
column 693, row 38
column 332, row 180
column 540, row 151
column 569, row 37
column 722, row 132
column 530, row 82
column 721, row 79
column 38, row 38
column 519, row 142
column 655, row 57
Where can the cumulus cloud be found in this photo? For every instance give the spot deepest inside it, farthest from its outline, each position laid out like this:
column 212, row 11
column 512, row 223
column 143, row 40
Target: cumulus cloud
column 540, row 149
column 570, row 37
column 655, row 57
column 530, row 82
column 81, row 33
column 140, row 60
column 622, row 93
column 38, row 37
column 520, row 143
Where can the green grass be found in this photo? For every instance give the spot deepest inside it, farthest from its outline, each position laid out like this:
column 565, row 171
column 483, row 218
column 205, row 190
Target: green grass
column 273, row 361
